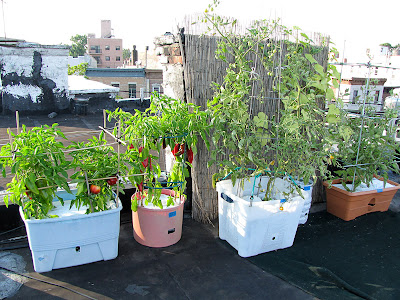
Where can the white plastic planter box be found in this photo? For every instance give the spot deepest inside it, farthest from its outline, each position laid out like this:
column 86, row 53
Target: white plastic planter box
column 74, row 238
column 261, row 227
column 307, row 201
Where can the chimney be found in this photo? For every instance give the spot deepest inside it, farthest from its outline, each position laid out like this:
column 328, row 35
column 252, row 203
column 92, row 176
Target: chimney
column 134, row 55
column 105, row 29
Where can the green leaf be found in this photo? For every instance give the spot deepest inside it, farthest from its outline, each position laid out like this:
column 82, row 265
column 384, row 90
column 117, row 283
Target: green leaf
column 80, row 188
column 310, row 58
column 330, row 94
column 333, row 114
column 134, row 204
column 30, row 183
column 319, row 69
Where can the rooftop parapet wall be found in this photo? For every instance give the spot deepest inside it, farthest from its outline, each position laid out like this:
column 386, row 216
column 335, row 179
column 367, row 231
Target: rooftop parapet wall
column 34, row 77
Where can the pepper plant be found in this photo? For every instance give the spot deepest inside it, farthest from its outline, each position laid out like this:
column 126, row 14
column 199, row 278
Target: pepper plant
column 37, row 161
column 167, row 122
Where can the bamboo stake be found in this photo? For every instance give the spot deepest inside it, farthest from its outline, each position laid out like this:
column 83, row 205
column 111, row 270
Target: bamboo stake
column 118, row 139
column 88, row 190
column 118, row 153
column 17, row 120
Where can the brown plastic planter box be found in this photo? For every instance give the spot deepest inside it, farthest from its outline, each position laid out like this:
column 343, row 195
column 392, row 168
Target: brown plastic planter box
column 348, row 206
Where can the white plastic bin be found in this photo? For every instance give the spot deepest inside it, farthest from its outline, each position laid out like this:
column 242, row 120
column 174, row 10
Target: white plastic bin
column 74, row 238
column 259, row 228
column 307, row 201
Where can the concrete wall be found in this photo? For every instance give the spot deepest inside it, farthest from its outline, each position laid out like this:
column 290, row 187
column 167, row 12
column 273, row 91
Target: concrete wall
column 34, row 78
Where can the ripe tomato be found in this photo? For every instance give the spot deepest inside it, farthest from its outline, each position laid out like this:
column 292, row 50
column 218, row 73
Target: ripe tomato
column 95, row 189
column 112, row 181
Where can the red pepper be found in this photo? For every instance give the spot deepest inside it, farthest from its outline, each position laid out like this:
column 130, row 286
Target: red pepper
column 147, row 162
column 140, row 149
column 176, row 150
column 131, row 147
column 140, row 187
column 190, row 155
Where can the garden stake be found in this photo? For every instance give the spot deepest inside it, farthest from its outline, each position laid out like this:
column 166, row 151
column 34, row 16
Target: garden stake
column 88, row 190
column 118, row 151
column 17, row 120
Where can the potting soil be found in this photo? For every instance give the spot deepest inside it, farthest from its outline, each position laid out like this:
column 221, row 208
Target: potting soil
column 335, row 259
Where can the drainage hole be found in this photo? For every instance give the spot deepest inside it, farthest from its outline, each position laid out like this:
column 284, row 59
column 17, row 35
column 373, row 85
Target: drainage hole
column 273, row 238
column 171, row 230
column 78, row 249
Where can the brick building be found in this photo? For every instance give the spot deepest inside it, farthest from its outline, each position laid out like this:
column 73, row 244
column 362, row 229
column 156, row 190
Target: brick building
column 132, row 82
column 106, row 50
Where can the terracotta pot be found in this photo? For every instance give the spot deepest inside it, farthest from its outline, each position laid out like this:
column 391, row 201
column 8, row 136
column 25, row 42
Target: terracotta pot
column 348, row 206
column 158, row 227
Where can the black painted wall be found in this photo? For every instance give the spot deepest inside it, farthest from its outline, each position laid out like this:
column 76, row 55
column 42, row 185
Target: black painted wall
column 48, row 101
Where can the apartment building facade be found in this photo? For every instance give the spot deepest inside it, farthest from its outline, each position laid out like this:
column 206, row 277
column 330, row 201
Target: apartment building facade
column 132, row 82
column 106, row 50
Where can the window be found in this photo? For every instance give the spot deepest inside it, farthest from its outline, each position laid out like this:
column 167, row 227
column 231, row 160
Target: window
column 156, row 88
column 107, row 47
column 98, row 60
column 107, row 58
column 115, row 84
column 117, row 48
column 355, row 94
column 118, row 58
column 132, row 90
column 376, row 97
column 95, row 49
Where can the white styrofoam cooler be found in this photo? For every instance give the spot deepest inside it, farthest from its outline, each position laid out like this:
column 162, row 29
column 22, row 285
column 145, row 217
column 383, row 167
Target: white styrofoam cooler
column 259, row 228
column 74, row 238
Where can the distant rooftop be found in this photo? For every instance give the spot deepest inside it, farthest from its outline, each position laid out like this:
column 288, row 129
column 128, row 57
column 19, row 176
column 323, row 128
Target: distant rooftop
column 17, row 43
column 81, row 85
column 115, row 72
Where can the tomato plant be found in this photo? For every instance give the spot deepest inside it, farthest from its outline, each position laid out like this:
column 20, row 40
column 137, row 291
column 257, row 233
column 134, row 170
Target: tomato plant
column 290, row 138
column 97, row 163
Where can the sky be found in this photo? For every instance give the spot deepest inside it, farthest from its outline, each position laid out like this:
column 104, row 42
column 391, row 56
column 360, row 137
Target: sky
column 353, row 25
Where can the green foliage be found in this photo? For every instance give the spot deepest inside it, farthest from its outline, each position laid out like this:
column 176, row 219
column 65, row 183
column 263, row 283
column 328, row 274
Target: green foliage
column 78, row 69
column 365, row 147
column 79, row 45
column 96, row 162
column 126, row 54
column 37, row 161
column 168, row 122
column 293, row 142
